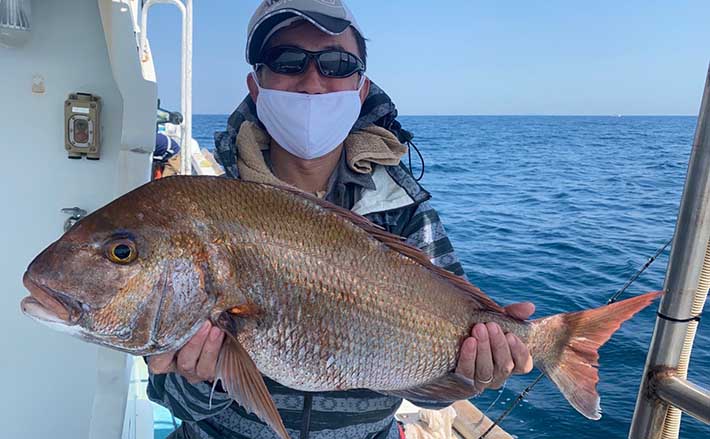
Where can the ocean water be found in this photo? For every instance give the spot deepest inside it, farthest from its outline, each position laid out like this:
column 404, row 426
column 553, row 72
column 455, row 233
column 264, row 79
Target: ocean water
column 559, row 211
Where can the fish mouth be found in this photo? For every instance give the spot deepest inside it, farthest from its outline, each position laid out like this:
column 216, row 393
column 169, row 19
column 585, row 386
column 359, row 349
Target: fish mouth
column 49, row 305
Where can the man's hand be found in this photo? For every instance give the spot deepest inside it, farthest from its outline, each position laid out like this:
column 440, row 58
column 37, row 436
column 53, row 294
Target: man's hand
column 489, row 356
column 196, row 361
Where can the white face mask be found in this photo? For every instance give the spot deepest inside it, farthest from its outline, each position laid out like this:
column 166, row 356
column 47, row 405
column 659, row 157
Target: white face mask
column 308, row 125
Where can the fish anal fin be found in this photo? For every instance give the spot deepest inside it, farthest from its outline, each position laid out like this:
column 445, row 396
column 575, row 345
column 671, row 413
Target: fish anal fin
column 449, row 388
column 244, row 383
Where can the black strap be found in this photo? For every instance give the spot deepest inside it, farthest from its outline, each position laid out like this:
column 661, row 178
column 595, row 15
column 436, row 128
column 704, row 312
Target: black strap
column 671, row 319
column 306, row 419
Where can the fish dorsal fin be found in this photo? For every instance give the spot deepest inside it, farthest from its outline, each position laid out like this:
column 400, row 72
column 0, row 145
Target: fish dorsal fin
column 244, row 383
column 449, row 388
column 397, row 244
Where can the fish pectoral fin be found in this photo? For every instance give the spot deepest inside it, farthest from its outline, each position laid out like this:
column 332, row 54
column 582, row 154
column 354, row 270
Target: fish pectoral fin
column 245, row 310
column 449, row 388
column 244, row 383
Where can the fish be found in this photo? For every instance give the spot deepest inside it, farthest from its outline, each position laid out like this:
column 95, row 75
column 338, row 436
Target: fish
column 309, row 294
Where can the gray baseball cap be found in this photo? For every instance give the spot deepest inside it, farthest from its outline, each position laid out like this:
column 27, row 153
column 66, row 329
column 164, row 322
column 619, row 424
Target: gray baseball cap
column 331, row 16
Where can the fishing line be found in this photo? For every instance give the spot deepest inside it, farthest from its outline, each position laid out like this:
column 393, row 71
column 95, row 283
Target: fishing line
column 500, row 393
column 520, row 397
column 613, row 299
column 638, row 273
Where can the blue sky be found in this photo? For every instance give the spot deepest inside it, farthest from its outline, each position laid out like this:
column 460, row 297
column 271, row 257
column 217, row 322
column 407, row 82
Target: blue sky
column 478, row 57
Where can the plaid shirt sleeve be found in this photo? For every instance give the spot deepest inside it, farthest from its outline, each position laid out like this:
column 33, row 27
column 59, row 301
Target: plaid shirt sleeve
column 426, row 232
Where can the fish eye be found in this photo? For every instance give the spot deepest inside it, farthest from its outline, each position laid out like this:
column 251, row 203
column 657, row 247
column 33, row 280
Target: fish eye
column 122, row 251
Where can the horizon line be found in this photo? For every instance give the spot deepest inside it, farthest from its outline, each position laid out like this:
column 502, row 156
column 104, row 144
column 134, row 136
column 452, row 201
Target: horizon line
column 510, row 115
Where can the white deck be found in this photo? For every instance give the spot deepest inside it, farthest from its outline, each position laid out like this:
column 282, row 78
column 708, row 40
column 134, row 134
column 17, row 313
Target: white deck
column 462, row 420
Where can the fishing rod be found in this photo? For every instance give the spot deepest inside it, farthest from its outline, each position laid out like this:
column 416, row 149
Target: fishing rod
column 613, row 299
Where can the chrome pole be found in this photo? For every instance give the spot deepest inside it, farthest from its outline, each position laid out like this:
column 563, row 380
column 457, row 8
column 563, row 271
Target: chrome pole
column 187, row 55
column 185, row 73
column 692, row 237
column 693, row 399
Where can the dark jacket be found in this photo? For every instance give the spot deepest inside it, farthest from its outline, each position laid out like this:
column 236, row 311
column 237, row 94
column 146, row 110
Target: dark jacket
column 390, row 197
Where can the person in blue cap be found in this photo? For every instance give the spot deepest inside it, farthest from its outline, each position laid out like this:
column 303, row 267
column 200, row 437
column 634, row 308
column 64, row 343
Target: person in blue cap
column 313, row 120
column 166, row 157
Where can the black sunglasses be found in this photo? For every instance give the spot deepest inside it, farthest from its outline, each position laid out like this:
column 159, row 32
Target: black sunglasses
column 289, row 60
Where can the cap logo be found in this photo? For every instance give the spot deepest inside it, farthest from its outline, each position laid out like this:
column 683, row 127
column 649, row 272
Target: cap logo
column 272, row 4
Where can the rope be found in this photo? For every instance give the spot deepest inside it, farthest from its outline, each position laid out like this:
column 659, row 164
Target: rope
column 613, row 299
column 306, row 419
column 421, row 159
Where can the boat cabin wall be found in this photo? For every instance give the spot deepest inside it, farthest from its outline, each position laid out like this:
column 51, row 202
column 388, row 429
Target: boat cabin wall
column 55, row 385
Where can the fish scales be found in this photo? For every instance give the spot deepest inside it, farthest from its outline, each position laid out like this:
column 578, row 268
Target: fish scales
column 310, row 295
column 317, row 271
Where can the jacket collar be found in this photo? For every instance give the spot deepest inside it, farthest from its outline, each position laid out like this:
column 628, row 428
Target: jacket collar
column 378, row 109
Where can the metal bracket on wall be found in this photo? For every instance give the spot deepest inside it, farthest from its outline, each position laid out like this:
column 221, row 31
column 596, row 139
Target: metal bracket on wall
column 76, row 213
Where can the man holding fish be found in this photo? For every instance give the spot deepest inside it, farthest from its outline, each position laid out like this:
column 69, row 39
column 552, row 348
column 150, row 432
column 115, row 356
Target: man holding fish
column 312, row 291
column 307, row 91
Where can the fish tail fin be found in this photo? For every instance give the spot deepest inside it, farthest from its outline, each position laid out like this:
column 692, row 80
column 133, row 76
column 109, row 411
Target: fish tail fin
column 570, row 355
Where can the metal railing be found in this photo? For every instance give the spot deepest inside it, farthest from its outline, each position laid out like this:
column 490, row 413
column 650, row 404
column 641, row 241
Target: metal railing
column 185, row 7
column 664, row 389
